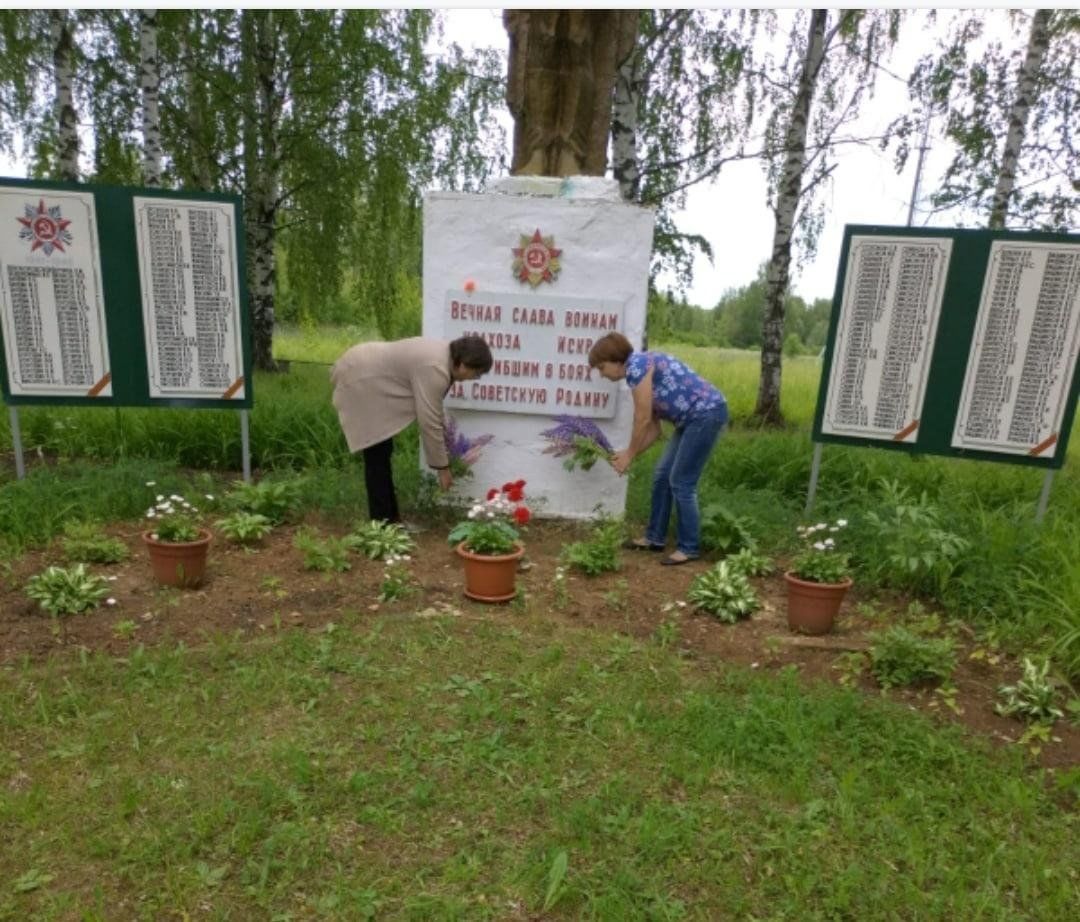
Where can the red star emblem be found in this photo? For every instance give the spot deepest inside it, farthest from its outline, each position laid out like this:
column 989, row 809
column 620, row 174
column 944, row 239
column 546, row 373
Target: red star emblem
column 45, row 227
column 536, row 260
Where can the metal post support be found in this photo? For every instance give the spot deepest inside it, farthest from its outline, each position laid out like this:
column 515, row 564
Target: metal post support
column 245, row 445
column 1044, row 497
column 16, row 442
column 815, row 469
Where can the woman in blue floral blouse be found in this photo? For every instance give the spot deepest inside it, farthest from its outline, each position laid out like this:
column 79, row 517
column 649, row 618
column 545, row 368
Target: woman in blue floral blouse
column 664, row 388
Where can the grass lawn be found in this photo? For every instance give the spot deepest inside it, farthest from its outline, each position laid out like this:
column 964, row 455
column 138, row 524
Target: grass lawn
column 499, row 768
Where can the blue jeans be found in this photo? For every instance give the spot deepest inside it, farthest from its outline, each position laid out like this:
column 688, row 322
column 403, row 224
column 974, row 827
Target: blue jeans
column 675, row 481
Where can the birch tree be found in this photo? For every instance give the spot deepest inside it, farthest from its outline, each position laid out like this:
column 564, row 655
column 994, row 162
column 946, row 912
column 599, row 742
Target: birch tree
column 814, row 93
column 1010, row 108
column 67, row 127
column 149, row 80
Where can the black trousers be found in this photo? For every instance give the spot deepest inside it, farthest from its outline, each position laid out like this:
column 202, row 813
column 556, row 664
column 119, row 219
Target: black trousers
column 379, row 482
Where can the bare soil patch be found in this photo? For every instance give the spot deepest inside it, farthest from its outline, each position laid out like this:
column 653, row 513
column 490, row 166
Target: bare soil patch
column 267, row 590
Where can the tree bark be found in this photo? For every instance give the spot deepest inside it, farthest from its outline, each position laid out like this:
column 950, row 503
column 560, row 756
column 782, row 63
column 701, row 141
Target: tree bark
column 560, row 78
column 1038, row 42
column 67, row 124
column 624, row 120
column 149, row 81
column 778, row 275
column 262, row 166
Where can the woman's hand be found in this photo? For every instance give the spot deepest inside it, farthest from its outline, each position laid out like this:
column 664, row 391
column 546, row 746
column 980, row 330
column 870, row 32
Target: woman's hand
column 446, row 479
column 620, row 461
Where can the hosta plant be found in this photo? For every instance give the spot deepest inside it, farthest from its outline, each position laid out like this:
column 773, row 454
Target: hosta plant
column 245, row 528
column 749, row 563
column 377, row 539
column 275, row 499
column 66, row 591
column 1032, row 697
column 723, row 592
column 86, row 542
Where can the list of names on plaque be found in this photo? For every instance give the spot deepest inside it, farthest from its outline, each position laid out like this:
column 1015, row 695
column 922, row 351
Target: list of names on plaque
column 190, row 297
column 1024, row 354
column 889, row 314
column 52, row 309
column 540, row 345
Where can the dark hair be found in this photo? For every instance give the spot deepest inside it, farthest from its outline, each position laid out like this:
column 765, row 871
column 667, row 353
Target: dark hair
column 472, row 352
column 614, row 347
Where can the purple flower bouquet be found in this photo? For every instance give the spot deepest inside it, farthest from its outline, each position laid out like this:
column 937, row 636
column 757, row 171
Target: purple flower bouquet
column 578, row 440
column 462, row 451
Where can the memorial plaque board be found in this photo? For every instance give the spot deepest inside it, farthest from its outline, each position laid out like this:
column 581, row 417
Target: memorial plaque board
column 540, row 344
column 954, row 342
column 1027, row 337
column 888, row 323
column 190, row 297
column 122, row 296
column 52, row 306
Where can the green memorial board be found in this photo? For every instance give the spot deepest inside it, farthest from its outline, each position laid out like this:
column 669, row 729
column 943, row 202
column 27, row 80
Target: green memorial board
column 119, row 296
column 954, row 342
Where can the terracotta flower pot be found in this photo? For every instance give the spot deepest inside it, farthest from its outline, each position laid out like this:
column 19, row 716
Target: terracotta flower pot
column 183, row 564
column 812, row 607
column 490, row 579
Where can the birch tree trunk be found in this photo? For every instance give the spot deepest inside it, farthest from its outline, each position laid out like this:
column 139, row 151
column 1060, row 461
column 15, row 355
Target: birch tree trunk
column 1038, row 42
column 624, row 119
column 788, row 194
column 263, row 166
column 149, row 81
column 64, row 104
column 200, row 155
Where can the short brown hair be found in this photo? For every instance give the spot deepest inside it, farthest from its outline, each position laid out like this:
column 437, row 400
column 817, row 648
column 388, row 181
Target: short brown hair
column 614, row 347
column 472, row 352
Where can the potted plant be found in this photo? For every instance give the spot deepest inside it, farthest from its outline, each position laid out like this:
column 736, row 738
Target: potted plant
column 176, row 541
column 819, row 578
column 489, row 543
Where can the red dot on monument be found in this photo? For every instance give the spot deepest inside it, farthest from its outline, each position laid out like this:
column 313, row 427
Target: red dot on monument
column 469, row 286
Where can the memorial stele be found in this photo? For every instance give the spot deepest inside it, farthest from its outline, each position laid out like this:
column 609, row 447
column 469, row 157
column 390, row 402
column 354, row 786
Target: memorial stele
column 541, row 268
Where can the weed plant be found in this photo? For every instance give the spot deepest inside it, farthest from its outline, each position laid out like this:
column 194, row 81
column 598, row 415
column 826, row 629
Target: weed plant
column 326, row 555
column 86, row 542
column 899, row 656
column 599, row 554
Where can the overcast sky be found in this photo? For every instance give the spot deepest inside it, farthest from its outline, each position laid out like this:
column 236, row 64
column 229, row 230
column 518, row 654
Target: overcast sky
column 732, row 214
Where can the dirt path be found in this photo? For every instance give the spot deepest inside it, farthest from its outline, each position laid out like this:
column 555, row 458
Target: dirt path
column 267, row 590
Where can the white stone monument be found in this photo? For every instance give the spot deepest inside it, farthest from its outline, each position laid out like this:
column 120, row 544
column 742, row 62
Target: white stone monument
column 541, row 268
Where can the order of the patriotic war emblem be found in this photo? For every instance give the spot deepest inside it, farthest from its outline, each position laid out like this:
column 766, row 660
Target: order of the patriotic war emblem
column 46, row 227
column 536, row 260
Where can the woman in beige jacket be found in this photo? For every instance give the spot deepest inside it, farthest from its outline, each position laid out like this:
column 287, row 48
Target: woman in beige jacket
column 381, row 387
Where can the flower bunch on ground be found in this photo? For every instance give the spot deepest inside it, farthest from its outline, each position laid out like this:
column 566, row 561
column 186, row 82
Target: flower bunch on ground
column 821, row 561
column 491, row 528
column 578, row 440
column 462, row 451
column 174, row 520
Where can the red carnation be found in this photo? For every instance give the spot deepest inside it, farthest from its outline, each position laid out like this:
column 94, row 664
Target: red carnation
column 520, row 484
column 507, row 487
column 492, row 493
column 522, row 515
column 515, row 495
